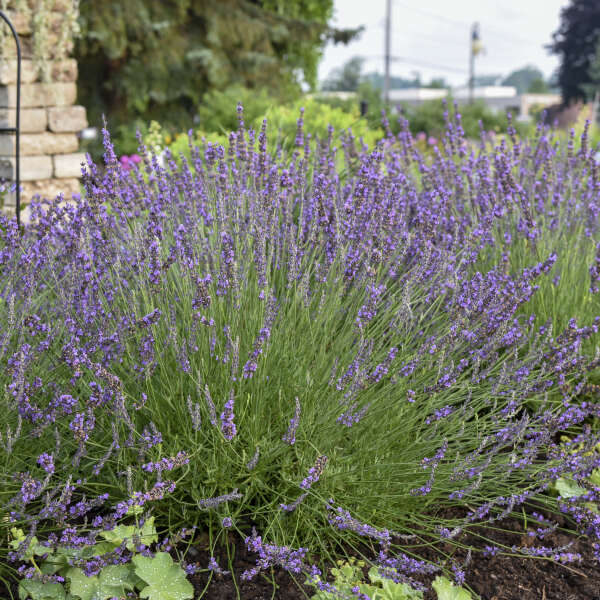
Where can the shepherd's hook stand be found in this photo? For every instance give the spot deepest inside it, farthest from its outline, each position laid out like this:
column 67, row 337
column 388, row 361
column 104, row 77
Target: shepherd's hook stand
column 16, row 129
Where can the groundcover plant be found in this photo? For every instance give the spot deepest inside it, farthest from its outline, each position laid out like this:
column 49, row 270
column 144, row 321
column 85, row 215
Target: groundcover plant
column 303, row 354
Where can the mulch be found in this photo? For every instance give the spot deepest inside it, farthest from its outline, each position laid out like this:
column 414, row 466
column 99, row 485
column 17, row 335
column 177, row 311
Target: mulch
column 489, row 578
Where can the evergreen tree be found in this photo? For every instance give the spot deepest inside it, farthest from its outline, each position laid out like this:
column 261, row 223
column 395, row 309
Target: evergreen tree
column 150, row 59
column 575, row 42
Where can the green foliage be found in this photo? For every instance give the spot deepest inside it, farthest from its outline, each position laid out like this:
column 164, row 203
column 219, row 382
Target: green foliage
column 157, row 578
column 29, row 588
column 131, row 53
column 317, row 118
column 429, row 117
column 446, row 590
column 282, row 123
column 165, row 580
column 147, row 534
column 217, row 112
column 113, row 581
column 349, row 574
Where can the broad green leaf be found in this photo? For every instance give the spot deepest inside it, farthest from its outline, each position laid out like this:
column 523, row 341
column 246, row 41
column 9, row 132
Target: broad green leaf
column 97, row 549
column 118, row 534
column 391, row 590
column 446, row 590
column 165, row 580
column 36, row 590
column 147, row 534
column 567, row 488
column 53, row 564
column 595, row 477
column 113, row 581
column 34, row 548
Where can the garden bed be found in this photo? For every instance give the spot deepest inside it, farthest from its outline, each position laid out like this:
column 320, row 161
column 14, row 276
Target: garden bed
column 490, row 577
column 378, row 350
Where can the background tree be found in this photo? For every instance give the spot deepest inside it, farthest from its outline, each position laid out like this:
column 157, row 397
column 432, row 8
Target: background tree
column 155, row 60
column 346, row 78
column 523, row 78
column 437, row 83
column 538, row 86
column 575, row 42
column 396, row 83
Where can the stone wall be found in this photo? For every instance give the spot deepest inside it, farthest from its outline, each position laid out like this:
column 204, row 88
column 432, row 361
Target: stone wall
column 50, row 119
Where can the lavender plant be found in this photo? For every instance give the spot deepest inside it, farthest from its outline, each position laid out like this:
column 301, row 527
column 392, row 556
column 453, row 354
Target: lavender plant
column 245, row 339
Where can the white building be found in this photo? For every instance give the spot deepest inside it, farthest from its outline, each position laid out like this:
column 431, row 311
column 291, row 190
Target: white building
column 496, row 97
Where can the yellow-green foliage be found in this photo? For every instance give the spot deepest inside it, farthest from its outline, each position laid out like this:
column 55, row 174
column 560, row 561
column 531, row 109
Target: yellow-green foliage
column 282, row 125
column 317, row 117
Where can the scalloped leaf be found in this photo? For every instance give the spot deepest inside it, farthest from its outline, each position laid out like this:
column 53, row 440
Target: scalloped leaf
column 147, row 534
column 165, row 580
column 34, row 548
column 567, row 488
column 391, row 590
column 36, row 590
column 113, row 581
column 446, row 590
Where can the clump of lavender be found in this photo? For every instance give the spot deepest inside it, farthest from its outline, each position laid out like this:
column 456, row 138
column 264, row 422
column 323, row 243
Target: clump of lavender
column 410, row 301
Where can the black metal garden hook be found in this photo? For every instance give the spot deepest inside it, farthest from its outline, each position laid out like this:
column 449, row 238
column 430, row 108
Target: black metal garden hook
column 16, row 129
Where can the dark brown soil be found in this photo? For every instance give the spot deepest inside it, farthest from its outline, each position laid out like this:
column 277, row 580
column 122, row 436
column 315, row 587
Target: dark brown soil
column 489, row 578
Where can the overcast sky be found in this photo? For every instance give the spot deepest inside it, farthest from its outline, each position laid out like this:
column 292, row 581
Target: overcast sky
column 432, row 36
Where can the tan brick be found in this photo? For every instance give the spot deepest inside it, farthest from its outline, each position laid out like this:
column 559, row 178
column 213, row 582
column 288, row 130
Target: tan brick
column 54, row 49
column 32, row 168
column 20, row 21
column 68, row 165
column 24, row 24
column 60, row 71
column 40, row 143
column 8, row 71
column 33, row 120
column 35, row 95
column 67, row 118
column 8, row 48
column 64, row 71
column 52, row 5
column 49, row 188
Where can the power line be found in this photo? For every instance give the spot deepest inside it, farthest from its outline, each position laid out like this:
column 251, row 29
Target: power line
column 488, row 30
column 438, row 40
column 416, row 62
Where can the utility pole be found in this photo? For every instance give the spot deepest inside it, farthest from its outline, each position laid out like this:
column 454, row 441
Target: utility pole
column 388, row 35
column 475, row 49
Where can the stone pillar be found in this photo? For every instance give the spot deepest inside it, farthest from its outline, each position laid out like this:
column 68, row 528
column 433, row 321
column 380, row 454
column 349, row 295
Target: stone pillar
column 50, row 119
